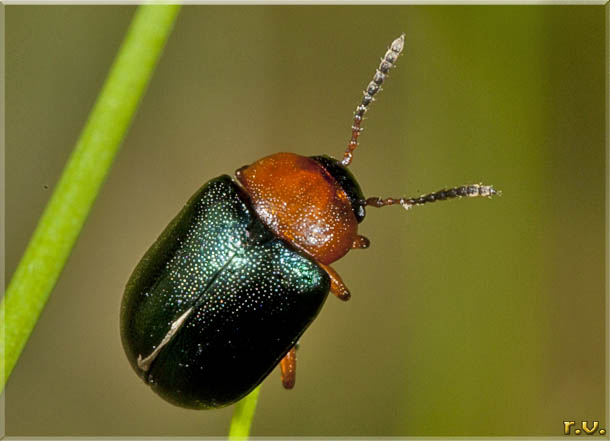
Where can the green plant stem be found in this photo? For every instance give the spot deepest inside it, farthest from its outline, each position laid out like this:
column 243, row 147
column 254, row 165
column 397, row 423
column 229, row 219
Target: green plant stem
column 81, row 180
column 243, row 415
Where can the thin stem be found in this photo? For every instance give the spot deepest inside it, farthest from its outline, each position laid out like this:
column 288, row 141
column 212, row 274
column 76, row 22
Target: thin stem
column 81, row 180
column 243, row 415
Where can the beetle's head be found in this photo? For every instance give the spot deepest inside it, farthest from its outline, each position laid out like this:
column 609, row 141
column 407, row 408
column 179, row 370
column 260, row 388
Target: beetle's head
column 347, row 181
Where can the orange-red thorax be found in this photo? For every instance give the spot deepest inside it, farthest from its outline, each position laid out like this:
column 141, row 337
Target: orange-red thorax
column 302, row 203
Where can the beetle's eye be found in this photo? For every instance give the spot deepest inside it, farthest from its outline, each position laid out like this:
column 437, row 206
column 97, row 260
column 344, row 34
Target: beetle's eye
column 359, row 210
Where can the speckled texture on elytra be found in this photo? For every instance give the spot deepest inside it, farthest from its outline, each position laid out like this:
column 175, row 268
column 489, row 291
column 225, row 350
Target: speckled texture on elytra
column 253, row 296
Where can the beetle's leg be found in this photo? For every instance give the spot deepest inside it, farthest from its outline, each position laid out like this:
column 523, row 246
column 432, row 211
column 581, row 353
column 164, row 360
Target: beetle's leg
column 361, row 242
column 337, row 287
column 288, row 368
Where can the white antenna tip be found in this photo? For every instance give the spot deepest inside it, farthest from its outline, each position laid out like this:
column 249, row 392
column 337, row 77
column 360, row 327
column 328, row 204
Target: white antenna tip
column 398, row 44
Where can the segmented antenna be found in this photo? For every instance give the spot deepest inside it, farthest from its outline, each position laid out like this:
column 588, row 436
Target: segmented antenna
column 472, row 191
column 387, row 62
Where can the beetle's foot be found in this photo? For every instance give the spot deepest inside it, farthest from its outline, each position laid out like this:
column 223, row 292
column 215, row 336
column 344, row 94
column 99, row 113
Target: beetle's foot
column 288, row 368
column 337, row 287
column 361, row 242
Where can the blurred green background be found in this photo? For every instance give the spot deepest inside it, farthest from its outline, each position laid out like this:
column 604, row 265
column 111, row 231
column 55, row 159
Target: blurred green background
column 478, row 317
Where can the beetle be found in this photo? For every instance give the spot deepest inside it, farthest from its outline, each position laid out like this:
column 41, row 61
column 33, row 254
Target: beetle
column 225, row 292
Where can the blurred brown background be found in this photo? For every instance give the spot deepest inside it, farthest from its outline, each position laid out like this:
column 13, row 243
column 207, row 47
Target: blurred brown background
column 478, row 317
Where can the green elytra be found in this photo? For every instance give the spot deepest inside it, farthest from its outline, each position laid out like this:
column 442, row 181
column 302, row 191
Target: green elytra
column 249, row 293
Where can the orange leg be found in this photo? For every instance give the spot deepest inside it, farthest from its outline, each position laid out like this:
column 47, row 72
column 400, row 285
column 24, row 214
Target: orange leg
column 288, row 368
column 361, row 242
column 337, row 287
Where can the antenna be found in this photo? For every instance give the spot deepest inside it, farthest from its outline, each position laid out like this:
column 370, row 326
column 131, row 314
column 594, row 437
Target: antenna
column 387, row 62
column 471, row 191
